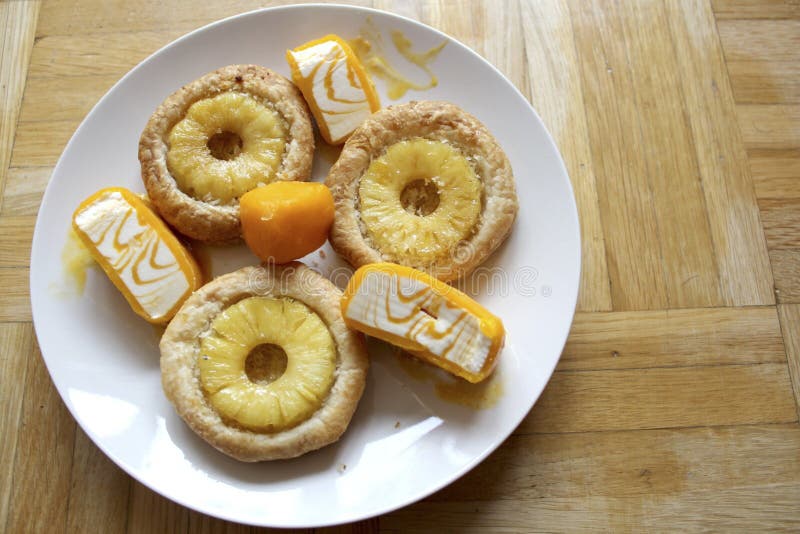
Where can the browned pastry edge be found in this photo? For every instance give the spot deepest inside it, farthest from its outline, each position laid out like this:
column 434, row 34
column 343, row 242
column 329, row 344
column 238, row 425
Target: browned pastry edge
column 201, row 220
column 441, row 121
column 180, row 349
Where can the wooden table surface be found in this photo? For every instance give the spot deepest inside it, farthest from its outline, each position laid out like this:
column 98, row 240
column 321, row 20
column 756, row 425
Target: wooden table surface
column 675, row 404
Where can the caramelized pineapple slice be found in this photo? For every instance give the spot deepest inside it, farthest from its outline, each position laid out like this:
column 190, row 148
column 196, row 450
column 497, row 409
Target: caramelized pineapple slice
column 258, row 404
column 419, row 200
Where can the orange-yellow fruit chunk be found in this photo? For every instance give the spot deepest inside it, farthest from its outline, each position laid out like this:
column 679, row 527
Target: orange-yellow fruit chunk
column 426, row 317
column 138, row 252
column 335, row 84
column 284, row 221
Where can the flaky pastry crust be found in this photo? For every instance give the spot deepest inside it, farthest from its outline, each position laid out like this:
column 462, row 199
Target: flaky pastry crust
column 220, row 222
column 180, row 350
column 439, row 121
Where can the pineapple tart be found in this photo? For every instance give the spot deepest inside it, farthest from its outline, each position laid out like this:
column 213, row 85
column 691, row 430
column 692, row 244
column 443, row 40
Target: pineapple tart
column 228, row 132
column 425, row 185
column 260, row 364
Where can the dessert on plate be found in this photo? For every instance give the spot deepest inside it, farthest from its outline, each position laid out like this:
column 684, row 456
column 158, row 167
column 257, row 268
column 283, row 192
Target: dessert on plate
column 426, row 317
column 144, row 260
column 335, row 84
column 261, row 365
column 216, row 138
column 422, row 184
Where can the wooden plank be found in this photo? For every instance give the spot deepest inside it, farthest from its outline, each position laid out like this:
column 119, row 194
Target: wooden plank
column 739, row 245
column 765, row 82
column 35, row 146
column 203, row 524
column 625, row 198
column 369, row 526
column 647, row 339
column 76, row 97
column 103, row 55
column 769, row 126
column 786, row 265
column 687, row 252
column 760, row 40
column 790, row 324
column 41, row 471
column 736, row 509
column 16, row 348
column 555, row 92
column 756, row 9
column 781, row 220
column 591, row 401
column 150, row 512
column 24, row 189
column 15, row 240
column 640, row 462
column 776, row 173
column 18, row 20
column 15, row 302
column 99, row 491
column 101, row 16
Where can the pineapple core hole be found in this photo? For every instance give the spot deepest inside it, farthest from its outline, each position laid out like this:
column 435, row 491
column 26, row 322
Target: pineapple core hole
column 225, row 145
column 420, row 197
column 265, row 363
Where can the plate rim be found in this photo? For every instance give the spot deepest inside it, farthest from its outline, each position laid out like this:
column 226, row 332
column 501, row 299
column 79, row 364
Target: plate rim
column 419, row 494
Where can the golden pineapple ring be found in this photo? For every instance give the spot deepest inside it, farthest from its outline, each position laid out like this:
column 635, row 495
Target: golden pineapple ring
column 218, row 137
column 307, row 405
column 422, row 184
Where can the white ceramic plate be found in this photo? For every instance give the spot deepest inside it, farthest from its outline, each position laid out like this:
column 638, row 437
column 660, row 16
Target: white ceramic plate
column 405, row 441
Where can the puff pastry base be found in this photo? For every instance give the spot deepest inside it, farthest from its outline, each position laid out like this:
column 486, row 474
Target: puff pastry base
column 180, row 349
column 440, row 121
column 220, row 222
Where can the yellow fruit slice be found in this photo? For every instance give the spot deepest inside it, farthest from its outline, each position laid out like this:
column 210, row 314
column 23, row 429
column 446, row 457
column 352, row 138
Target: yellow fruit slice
column 284, row 399
column 411, row 227
column 426, row 317
column 225, row 146
column 138, row 252
column 335, row 84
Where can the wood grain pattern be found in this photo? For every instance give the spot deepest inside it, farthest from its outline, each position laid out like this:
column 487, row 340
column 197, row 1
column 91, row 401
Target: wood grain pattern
column 625, row 198
column 786, row 266
column 115, row 16
column 781, row 220
column 43, row 463
column 765, row 82
column 81, row 93
column 775, row 173
column 673, row 338
column 150, row 512
column 741, row 254
column 790, row 322
column 18, row 20
column 99, row 490
column 760, row 40
column 15, row 304
column 24, row 189
column 756, row 9
column 675, row 405
column 687, row 252
column 595, row 401
column 770, row 126
column 731, row 509
column 104, row 54
column 640, row 462
column 15, row 240
column 555, row 92
column 16, row 348
column 35, row 146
